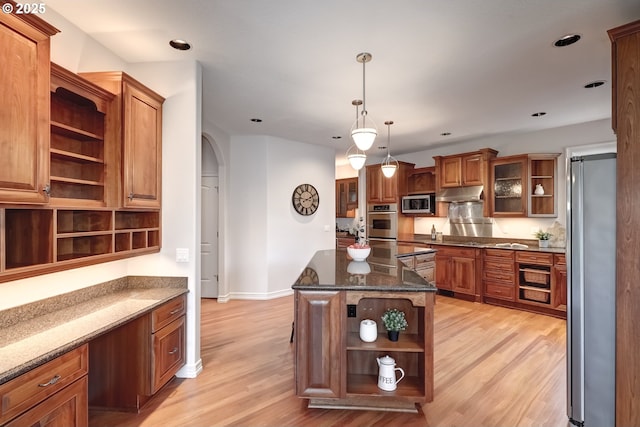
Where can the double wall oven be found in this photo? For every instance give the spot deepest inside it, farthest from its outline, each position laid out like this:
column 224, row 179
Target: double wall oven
column 382, row 231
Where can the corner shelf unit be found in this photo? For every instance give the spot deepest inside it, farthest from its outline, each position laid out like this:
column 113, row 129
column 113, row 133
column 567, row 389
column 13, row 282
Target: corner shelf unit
column 77, row 237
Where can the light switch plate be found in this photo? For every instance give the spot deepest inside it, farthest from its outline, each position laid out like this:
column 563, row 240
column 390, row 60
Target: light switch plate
column 182, row 255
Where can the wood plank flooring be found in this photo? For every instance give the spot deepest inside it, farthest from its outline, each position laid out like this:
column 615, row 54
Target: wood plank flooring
column 493, row 367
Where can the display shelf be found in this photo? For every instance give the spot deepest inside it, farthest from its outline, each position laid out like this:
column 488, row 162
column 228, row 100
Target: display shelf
column 77, row 165
column 406, row 342
column 83, row 246
column 367, row 385
column 543, row 172
column 23, row 242
column 126, row 220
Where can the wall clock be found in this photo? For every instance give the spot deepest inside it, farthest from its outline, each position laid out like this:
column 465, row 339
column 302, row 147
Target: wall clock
column 308, row 277
column 305, row 199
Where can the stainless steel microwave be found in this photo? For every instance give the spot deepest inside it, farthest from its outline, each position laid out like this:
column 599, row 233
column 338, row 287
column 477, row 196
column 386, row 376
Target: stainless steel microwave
column 423, row 203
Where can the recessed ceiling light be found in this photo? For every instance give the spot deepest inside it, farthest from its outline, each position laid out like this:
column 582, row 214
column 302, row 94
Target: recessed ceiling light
column 256, row 120
column 567, row 40
column 180, row 44
column 538, row 114
column 382, row 147
column 336, row 137
column 593, row 84
column 445, row 134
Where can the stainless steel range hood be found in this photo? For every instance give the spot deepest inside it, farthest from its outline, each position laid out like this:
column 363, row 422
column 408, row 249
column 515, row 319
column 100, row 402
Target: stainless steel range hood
column 461, row 194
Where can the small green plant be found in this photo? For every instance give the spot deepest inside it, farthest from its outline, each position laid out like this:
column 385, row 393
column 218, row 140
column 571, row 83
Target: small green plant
column 394, row 320
column 543, row 235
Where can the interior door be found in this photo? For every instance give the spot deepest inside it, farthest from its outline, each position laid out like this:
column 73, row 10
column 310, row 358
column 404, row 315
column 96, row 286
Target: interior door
column 209, row 237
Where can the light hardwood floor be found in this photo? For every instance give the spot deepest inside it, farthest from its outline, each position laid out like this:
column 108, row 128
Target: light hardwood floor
column 493, row 367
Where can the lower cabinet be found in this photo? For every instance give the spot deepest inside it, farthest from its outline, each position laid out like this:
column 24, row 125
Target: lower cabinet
column 132, row 362
column 53, row 394
column 319, row 344
column 498, row 274
column 456, row 270
column 559, row 282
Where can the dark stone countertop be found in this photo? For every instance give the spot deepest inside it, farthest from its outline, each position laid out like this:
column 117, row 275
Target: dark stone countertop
column 479, row 242
column 333, row 270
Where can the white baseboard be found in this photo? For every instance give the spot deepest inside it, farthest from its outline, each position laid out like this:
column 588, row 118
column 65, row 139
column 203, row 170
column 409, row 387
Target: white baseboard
column 260, row 296
column 190, row 370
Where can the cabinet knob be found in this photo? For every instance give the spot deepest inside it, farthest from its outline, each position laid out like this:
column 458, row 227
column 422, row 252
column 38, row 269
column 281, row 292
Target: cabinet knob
column 47, row 190
column 52, row 381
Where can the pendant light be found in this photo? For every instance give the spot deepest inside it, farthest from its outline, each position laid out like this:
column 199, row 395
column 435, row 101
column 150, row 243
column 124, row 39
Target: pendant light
column 363, row 131
column 389, row 165
column 356, row 157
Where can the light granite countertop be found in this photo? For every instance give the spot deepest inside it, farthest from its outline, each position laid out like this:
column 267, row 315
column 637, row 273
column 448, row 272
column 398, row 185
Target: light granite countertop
column 35, row 333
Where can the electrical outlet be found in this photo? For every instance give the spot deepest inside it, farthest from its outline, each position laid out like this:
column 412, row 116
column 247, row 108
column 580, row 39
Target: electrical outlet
column 182, row 255
column 351, row 310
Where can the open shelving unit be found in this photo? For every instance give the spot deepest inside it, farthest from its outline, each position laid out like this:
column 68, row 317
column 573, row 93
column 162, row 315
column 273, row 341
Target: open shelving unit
column 78, row 129
column 409, row 351
column 543, row 171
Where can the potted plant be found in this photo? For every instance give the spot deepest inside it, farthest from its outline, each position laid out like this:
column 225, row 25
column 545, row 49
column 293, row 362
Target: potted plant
column 543, row 238
column 394, row 322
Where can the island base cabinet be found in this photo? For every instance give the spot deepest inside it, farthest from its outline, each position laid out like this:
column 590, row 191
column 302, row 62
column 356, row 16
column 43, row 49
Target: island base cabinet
column 336, row 369
column 319, row 343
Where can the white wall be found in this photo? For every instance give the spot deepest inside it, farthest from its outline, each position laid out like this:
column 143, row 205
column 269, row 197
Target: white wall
column 269, row 244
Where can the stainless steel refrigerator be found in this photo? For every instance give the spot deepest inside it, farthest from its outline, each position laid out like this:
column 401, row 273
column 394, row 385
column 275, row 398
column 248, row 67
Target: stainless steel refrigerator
column 591, row 277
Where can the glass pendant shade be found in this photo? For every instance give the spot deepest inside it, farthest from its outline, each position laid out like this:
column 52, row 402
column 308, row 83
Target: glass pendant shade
column 364, row 132
column 356, row 157
column 389, row 166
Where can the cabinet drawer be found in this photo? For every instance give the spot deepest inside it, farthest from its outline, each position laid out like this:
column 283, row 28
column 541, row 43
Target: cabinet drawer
column 455, row 251
column 68, row 408
column 500, row 276
column 499, row 253
column 409, row 261
column 167, row 313
column 31, row 388
column 499, row 264
column 559, row 259
column 426, row 273
column 534, row 258
column 425, row 260
column 500, row 291
column 168, row 353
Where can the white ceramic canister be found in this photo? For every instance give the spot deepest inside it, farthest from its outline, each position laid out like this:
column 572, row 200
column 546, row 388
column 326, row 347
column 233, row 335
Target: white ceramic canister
column 368, row 330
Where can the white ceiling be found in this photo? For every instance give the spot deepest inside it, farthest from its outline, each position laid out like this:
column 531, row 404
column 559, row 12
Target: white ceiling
column 470, row 67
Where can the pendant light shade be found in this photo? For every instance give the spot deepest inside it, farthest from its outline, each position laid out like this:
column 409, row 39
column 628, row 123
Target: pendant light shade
column 356, row 157
column 363, row 131
column 389, row 164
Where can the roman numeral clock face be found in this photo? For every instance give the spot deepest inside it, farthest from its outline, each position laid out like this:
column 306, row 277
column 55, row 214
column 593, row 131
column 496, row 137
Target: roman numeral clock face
column 305, row 199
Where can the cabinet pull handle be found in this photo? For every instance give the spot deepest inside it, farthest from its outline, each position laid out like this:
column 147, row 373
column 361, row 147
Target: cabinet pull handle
column 52, row 381
column 174, row 351
column 47, row 190
column 141, row 196
column 177, row 310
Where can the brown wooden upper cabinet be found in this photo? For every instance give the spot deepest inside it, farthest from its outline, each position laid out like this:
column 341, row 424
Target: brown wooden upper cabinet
column 346, row 197
column 525, row 185
column 463, row 170
column 422, row 181
column 24, row 120
column 139, row 110
column 381, row 189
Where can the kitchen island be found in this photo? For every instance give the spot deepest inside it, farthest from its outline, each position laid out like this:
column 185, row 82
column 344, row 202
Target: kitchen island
column 334, row 368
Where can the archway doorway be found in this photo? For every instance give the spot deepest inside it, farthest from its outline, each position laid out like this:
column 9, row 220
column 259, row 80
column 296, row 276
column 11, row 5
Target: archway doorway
column 209, row 246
